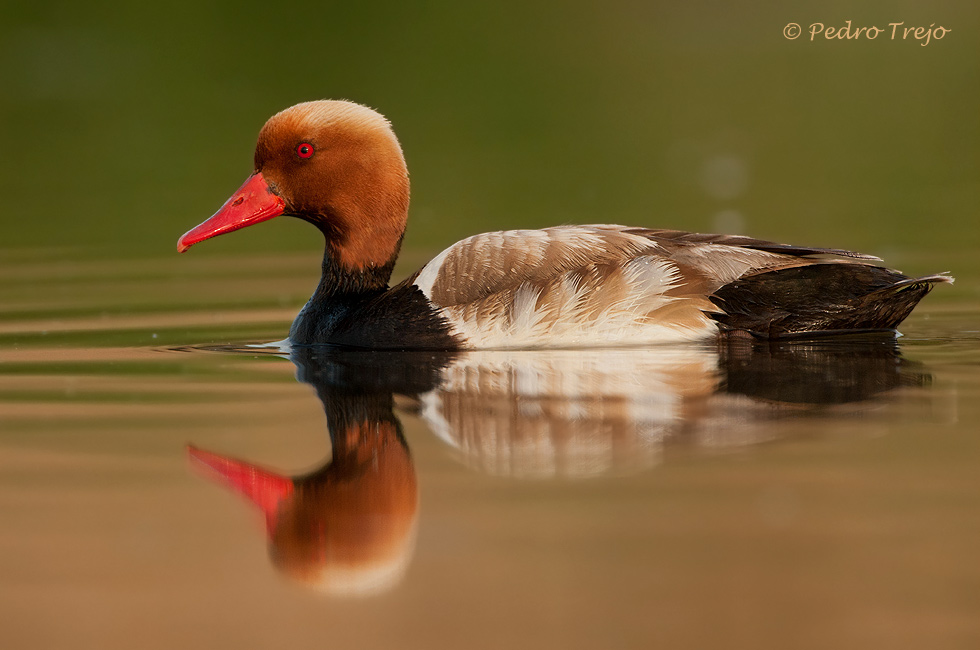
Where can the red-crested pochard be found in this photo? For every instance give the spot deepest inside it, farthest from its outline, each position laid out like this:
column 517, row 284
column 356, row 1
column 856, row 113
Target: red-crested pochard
column 339, row 166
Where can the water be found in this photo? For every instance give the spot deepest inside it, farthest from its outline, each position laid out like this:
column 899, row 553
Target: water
column 813, row 495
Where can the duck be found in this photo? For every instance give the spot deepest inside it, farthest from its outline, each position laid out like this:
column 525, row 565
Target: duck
column 339, row 166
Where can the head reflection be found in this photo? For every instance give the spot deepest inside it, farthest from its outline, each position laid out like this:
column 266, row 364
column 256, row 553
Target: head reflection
column 349, row 527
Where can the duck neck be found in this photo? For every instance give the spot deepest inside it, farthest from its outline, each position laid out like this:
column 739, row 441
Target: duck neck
column 340, row 290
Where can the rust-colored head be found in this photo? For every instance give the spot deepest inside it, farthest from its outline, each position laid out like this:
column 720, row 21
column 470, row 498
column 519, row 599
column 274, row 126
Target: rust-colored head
column 335, row 164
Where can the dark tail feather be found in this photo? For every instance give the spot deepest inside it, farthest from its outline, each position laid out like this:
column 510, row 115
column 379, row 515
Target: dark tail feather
column 820, row 298
column 929, row 279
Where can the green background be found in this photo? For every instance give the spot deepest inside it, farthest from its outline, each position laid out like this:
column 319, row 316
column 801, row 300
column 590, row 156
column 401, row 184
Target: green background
column 124, row 124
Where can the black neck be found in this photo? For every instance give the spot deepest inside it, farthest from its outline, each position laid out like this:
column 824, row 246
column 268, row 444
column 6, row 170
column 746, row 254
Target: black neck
column 340, row 290
column 339, row 283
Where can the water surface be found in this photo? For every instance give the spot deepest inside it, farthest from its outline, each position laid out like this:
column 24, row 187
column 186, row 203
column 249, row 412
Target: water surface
column 163, row 481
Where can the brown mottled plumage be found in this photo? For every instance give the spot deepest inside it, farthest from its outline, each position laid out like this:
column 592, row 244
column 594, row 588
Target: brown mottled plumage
column 570, row 285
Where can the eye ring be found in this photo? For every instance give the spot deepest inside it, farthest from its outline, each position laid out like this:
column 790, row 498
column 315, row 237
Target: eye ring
column 304, row 150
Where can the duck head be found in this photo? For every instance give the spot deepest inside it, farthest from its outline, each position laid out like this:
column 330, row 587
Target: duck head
column 335, row 164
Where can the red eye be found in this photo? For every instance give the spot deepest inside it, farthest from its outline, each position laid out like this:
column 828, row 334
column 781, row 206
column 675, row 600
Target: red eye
column 304, row 150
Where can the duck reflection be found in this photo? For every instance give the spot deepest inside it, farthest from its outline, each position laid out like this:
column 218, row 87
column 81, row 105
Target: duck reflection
column 581, row 413
column 349, row 527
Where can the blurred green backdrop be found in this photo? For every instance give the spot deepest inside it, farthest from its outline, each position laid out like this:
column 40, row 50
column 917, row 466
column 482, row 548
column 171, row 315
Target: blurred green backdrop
column 124, row 124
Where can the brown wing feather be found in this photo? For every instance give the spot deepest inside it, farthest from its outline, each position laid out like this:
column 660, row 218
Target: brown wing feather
column 664, row 236
column 495, row 262
column 569, row 284
column 499, row 262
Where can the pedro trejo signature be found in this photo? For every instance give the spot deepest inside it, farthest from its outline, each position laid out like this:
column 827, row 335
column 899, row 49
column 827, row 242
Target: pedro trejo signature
column 897, row 31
